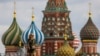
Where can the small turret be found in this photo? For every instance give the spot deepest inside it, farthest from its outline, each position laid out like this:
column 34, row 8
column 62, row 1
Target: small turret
column 32, row 29
column 89, row 31
column 13, row 35
column 65, row 49
column 89, row 37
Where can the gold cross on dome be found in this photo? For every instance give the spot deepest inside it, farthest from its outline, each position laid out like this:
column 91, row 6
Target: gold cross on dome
column 32, row 14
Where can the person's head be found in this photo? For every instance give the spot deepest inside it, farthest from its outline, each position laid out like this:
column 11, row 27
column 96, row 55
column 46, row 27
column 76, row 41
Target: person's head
column 31, row 36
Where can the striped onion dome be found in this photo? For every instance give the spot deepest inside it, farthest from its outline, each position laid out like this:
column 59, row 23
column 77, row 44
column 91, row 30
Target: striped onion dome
column 38, row 35
column 13, row 35
column 65, row 50
column 76, row 41
column 89, row 31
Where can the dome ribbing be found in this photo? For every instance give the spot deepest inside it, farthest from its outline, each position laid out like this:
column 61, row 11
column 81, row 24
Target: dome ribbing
column 38, row 35
column 89, row 31
column 13, row 35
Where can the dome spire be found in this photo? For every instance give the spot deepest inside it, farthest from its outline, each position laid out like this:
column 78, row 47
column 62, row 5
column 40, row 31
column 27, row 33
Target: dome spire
column 32, row 14
column 89, row 31
column 90, row 10
column 65, row 35
column 65, row 49
column 14, row 9
column 20, row 43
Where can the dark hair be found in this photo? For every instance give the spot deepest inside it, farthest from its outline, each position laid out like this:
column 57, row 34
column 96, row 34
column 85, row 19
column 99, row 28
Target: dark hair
column 31, row 35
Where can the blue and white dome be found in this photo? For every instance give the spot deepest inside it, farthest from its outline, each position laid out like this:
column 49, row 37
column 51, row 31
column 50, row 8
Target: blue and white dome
column 38, row 35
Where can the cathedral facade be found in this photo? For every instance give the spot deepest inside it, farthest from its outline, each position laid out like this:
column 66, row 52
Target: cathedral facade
column 55, row 21
column 56, row 37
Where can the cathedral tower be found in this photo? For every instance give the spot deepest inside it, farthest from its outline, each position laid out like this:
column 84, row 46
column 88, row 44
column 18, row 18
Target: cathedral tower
column 89, row 37
column 38, row 37
column 55, row 21
column 12, row 37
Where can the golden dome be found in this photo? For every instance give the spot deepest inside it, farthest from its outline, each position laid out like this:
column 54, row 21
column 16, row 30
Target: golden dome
column 65, row 50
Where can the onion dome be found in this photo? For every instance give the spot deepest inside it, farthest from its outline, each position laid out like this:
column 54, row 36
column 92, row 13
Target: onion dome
column 38, row 35
column 13, row 35
column 76, row 41
column 65, row 50
column 89, row 31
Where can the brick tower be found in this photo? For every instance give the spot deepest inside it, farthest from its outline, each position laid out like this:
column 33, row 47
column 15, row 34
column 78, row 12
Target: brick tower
column 89, row 37
column 55, row 21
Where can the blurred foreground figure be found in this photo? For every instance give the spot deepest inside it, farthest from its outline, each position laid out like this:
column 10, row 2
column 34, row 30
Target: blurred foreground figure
column 31, row 45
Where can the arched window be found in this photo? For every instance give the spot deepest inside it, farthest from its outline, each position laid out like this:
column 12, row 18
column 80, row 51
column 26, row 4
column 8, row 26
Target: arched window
column 59, row 23
column 58, row 19
column 51, row 34
column 60, row 34
column 59, row 29
column 63, row 19
column 53, row 19
column 49, row 51
column 48, row 19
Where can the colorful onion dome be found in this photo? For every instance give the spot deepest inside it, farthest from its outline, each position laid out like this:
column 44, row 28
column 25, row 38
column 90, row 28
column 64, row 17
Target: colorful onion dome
column 76, row 41
column 38, row 35
column 65, row 50
column 89, row 31
column 13, row 35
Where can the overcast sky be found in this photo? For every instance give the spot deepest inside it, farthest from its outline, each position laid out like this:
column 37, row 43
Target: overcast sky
column 79, row 14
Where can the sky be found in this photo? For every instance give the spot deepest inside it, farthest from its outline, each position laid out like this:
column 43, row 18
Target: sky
column 79, row 14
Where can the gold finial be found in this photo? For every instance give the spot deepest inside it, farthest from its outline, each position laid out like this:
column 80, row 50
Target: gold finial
column 20, row 43
column 14, row 9
column 32, row 14
column 89, row 9
column 65, row 36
